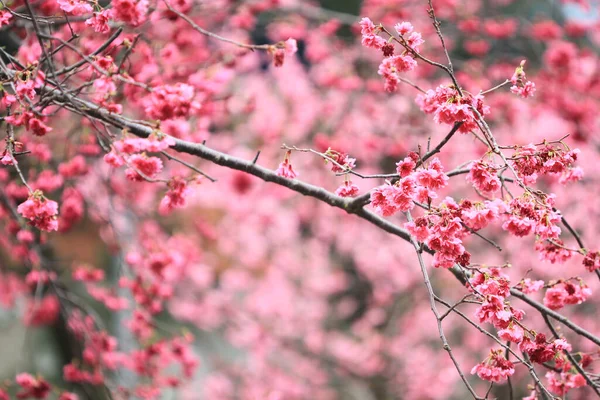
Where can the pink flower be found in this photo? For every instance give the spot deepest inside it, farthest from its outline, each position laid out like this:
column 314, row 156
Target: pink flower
column 433, row 176
column 484, row 177
column 171, row 101
column 41, row 212
column 370, row 37
column 85, row 273
column 31, row 387
column 517, row 226
column 381, row 200
column 528, row 286
column 72, row 208
column 591, row 261
column 555, row 297
column 138, row 164
column 37, row 127
column 5, row 17
column 99, row 21
column 571, row 175
column 403, row 28
column 285, row 170
column 577, row 294
column 6, row 159
column 525, row 91
column 500, row 29
column 405, row 193
column 44, row 312
column 373, row 41
column 74, row 167
column 367, row 26
column 492, row 310
column 449, row 107
column 113, row 159
column 25, row 89
column 278, row 57
column 348, row 189
column 399, row 63
column 344, row 160
column 513, row 333
column 175, row 197
column 476, row 218
column 547, row 159
column 405, row 167
column 291, row 46
column 552, row 251
column 75, row 7
column 418, row 228
column 415, row 41
column 561, row 384
column 495, row 368
column 491, row 281
column 131, row 12
column 539, row 350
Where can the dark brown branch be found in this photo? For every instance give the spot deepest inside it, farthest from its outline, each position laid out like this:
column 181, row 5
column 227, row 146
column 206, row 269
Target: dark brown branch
column 99, row 50
column 441, row 144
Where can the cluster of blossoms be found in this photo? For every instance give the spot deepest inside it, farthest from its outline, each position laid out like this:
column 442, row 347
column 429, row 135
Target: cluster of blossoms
column 175, row 196
column 141, row 167
column 40, row 211
column 71, row 209
column 539, row 349
column 451, row 106
column 155, row 272
column 531, row 161
column 495, row 368
column 32, row 387
column 493, row 287
column 420, row 185
column 171, row 101
column 347, row 189
column 177, row 70
column 36, row 388
column 131, row 12
column 530, row 213
column 567, row 377
column 343, row 162
column 444, row 227
column 131, row 151
column 520, row 84
column 484, row 177
column 99, row 20
column 562, row 293
column 35, row 125
column 154, row 362
column 43, row 312
column 393, row 64
column 553, row 251
column 75, row 7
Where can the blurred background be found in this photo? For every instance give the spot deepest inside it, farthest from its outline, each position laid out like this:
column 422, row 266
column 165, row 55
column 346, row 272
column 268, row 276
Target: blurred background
column 344, row 272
